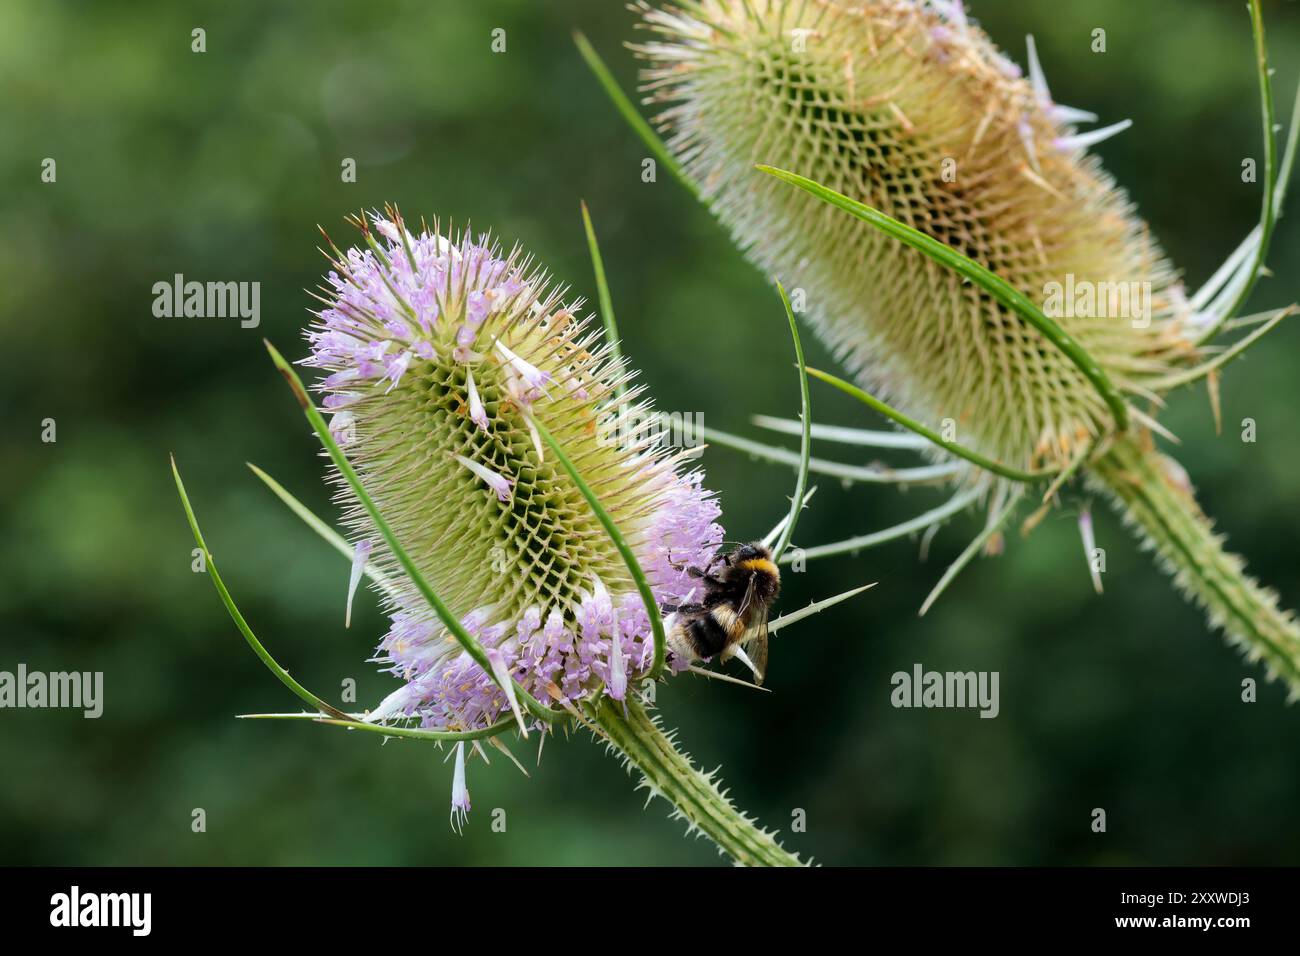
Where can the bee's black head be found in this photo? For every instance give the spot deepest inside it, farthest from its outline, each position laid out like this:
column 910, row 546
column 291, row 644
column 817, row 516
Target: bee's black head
column 751, row 567
column 755, row 551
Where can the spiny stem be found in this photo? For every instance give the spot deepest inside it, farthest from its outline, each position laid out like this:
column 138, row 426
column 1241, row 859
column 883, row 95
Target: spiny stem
column 669, row 774
column 1166, row 516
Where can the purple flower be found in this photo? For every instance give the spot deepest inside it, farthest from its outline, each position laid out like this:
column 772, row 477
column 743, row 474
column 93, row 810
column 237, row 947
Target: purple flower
column 528, row 569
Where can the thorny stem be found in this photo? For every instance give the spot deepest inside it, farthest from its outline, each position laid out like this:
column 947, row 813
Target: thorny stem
column 668, row 773
column 1166, row 516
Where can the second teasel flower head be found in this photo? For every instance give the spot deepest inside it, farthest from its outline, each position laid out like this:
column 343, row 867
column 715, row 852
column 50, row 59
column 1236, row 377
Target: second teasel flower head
column 439, row 352
column 907, row 106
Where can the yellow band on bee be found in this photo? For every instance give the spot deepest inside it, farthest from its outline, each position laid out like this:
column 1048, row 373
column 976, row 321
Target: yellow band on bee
column 760, row 564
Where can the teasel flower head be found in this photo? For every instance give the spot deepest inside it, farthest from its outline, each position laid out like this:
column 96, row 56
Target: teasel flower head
column 441, row 356
column 523, row 539
column 991, row 288
column 908, row 107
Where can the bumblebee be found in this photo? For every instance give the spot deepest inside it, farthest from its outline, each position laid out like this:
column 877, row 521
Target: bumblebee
column 739, row 590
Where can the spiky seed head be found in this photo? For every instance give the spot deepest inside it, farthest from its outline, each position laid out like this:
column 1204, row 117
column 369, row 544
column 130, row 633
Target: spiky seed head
column 438, row 350
column 907, row 106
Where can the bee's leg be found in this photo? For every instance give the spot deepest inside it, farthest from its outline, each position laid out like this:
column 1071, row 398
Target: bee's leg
column 695, row 572
column 704, row 576
column 718, row 557
column 682, row 609
column 689, row 569
column 681, row 566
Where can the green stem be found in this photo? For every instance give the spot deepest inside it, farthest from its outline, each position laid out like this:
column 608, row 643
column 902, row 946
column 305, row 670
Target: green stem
column 1165, row 514
column 668, row 773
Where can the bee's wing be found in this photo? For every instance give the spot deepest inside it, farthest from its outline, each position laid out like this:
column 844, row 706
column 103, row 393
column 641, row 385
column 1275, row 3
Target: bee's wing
column 758, row 648
column 748, row 598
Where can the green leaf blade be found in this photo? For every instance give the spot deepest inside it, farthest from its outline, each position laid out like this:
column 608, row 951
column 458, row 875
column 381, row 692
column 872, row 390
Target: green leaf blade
column 991, row 283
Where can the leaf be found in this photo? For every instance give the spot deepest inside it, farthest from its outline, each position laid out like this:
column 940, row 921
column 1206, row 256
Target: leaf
column 988, row 464
column 850, row 473
column 841, row 434
column 616, row 536
column 994, row 285
column 1223, row 358
column 629, row 113
column 337, row 540
column 919, row 523
column 463, row 637
column 603, row 297
column 805, row 443
column 816, row 607
column 262, row 653
column 972, row 549
column 351, row 722
column 1268, row 205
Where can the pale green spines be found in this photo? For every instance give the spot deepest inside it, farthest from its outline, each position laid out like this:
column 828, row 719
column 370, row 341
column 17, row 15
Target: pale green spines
column 897, row 105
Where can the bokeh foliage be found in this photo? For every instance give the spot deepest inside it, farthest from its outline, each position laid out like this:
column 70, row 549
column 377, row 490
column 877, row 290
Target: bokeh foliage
column 219, row 165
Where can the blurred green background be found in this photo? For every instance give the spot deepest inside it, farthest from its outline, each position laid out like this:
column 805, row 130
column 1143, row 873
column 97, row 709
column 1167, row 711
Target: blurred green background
column 219, row 166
